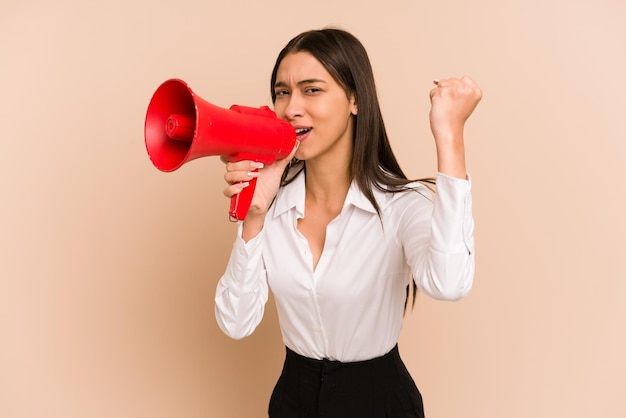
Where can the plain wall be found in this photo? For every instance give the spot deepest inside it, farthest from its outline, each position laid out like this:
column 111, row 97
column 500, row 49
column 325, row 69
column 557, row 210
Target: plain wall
column 108, row 266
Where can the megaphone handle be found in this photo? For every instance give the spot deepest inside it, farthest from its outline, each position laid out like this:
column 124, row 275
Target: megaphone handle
column 240, row 203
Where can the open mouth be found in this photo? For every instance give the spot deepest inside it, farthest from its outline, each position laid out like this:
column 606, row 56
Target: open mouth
column 302, row 131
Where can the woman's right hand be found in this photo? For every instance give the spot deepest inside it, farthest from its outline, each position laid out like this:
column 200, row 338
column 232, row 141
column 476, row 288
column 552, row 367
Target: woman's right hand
column 240, row 173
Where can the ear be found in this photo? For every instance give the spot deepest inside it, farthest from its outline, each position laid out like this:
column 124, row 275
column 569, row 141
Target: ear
column 354, row 109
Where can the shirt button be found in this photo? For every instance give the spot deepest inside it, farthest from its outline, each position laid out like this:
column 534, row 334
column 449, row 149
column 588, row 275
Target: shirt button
column 237, row 268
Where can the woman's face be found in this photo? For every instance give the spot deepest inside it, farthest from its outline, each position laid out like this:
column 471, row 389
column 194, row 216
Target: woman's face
column 316, row 105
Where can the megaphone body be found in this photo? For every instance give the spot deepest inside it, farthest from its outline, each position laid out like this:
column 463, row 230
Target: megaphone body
column 180, row 127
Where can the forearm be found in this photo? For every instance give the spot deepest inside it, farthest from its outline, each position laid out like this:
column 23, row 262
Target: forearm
column 440, row 245
column 451, row 154
column 242, row 291
column 452, row 239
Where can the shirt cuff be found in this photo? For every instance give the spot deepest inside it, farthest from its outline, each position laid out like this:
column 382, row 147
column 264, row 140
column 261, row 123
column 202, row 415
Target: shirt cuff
column 453, row 223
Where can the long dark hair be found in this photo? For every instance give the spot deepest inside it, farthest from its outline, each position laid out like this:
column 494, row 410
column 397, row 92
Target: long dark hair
column 373, row 163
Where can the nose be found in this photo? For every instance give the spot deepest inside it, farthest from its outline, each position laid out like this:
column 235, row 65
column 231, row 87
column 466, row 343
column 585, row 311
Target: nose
column 294, row 107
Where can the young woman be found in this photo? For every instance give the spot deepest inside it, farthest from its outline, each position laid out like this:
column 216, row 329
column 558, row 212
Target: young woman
column 338, row 233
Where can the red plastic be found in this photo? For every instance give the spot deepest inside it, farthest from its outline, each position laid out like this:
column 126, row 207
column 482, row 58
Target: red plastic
column 180, row 127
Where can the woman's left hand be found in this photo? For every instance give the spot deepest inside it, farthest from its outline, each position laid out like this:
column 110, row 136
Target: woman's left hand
column 452, row 103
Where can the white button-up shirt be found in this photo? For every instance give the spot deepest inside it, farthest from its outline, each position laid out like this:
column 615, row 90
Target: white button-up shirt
column 350, row 307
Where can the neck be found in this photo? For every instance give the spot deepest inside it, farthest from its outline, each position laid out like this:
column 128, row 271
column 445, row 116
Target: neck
column 327, row 183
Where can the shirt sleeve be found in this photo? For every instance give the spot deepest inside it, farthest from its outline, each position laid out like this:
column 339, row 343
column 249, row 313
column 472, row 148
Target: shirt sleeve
column 242, row 291
column 440, row 246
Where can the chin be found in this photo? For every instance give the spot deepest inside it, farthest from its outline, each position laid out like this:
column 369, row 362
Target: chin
column 299, row 154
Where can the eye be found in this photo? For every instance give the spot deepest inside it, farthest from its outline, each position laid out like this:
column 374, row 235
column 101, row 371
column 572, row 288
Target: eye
column 312, row 90
column 281, row 92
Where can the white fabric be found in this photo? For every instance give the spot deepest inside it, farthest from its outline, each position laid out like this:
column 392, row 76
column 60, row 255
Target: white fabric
column 350, row 307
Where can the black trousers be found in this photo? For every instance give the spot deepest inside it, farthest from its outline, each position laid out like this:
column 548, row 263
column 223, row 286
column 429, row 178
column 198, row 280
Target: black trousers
column 377, row 388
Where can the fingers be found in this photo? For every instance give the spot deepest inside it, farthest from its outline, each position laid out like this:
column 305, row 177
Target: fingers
column 239, row 174
column 447, row 82
column 440, row 84
column 463, row 83
column 283, row 162
column 473, row 86
column 456, row 87
column 452, row 102
column 234, row 189
column 241, row 171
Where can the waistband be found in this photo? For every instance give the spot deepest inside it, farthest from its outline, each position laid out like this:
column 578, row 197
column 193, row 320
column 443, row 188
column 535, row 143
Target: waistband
column 392, row 354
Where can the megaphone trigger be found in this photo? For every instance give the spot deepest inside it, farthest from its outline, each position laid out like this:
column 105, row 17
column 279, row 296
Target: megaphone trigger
column 240, row 203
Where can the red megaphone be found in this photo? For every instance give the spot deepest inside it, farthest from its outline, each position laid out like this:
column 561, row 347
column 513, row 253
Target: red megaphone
column 180, row 127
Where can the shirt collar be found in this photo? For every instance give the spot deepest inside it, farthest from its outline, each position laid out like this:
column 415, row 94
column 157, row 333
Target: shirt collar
column 357, row 198
column 292, row 196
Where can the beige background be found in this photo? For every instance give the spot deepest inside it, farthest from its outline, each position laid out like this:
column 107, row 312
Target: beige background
column 108, row 266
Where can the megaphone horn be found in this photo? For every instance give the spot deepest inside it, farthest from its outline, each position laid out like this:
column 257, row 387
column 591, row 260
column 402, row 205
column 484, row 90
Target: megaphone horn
column 180, row 127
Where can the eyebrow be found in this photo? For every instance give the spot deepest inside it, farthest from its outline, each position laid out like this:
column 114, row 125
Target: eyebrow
column 299, row 83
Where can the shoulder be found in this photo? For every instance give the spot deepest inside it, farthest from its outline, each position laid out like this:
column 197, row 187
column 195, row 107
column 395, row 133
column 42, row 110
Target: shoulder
column 416, row 191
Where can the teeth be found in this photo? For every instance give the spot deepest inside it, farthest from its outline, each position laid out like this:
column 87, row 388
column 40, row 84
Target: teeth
column 302, row 130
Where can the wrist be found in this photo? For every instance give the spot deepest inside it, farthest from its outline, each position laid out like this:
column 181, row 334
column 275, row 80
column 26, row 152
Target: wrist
column 451, row 157
column 252, row 225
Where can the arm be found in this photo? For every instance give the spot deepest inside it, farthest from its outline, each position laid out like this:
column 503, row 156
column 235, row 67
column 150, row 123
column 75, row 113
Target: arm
column 242, row 290
column 238, row 176
column 441, row 252
column 452, row 103
column 438, row 239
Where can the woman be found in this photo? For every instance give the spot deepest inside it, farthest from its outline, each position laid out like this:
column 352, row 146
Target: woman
column 338, row 232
